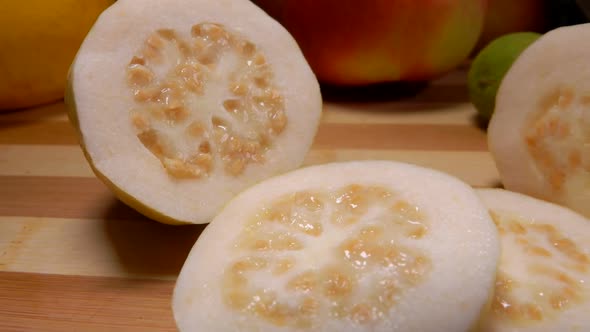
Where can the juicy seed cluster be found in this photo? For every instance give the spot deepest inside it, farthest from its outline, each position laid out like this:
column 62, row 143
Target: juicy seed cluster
column 555, row 284
column 558, row 138
column 345, row 254
column 205, row 99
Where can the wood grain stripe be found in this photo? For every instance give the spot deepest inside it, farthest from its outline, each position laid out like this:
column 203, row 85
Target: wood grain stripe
column 43, row 160
column 56, row 303
column 87, row 197
column 101, row 232
column 96, row 247
column 400, row 137
column 50, row 112
column 74, row 258
column 476, row 168
column 37, row 132
column 67, row 197
column 400, row 112
column 330, row 135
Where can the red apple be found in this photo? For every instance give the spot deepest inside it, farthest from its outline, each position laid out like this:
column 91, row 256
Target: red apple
column 507, row 16
column 351, row 42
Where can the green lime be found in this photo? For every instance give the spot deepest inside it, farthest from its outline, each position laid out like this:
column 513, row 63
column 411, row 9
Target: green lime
column 489, row 67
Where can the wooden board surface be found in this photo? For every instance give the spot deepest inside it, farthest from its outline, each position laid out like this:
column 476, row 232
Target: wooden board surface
column 74, row 258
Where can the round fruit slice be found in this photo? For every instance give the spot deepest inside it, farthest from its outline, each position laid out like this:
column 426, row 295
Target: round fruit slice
column 540, row 131
column 181, row 104
column 544, row 272
column 356, row 246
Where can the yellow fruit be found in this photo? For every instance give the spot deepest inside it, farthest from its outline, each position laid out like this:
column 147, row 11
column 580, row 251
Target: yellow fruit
column 39, row 39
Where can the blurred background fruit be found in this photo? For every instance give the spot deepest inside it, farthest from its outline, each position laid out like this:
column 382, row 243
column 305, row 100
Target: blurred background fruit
column 346, row 42
column 490, row 66
column 585, row 6
column 511, row 26
column 508, row 16
column 39, row 39
column 361, row 42
column 566, row 12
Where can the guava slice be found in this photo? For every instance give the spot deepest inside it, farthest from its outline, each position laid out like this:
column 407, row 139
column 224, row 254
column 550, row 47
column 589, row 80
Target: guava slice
column 543, row 282
column 539, row 134
column 350, row 246
column 181, row 104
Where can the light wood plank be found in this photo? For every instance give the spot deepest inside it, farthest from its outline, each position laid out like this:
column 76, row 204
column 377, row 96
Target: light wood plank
column 102, row 230
column 68, row 197
column 50, row 112
column 400, row 112
column 43, row 160
column 56, row 303
column 84, row 229
column 443, row 101
column 400, row 137
column 74, row 258
column 476, row 168
column 95, row 247
column 37, row 132
column 330, row 135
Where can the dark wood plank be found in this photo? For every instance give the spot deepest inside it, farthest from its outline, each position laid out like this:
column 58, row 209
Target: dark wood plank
column 37, row 132
column 401, row 137
column 330, row 135
column 43, row 302
column 63, row 197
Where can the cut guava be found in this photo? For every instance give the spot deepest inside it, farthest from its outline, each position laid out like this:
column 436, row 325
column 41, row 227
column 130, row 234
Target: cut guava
column 350, row 246
column 539, row 134
column 544, row 272
column 181, row 104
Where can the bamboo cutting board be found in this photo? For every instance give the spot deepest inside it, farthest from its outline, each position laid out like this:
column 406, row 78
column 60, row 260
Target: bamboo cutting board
column 73, row 258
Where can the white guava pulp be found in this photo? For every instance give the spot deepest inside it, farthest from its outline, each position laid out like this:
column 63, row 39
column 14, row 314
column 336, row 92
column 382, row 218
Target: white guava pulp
column 544, row 269
column 351, row 246
column 539, row 134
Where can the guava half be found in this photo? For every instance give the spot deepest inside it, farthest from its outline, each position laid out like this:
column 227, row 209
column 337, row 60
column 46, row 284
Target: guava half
column 351, row 246
column 544, row 271
column 181, row 104
column 539, row 134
